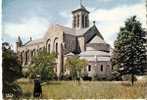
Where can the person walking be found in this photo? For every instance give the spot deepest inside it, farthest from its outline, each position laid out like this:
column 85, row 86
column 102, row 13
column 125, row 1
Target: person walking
column 37, row 87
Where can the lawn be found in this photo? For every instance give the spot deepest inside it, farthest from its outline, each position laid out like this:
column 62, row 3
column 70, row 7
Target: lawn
column 87, row 89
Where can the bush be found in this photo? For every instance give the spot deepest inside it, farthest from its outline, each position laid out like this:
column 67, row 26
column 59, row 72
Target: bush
column 67, row 77
column 43, row 65
column 85, row 76
column 25, row 71
column 97, row 78
column 28, row 71
column 128, row 77
column 47, row 73
column 75, row 65
column 116, row 76
column 11, row 69
column 12, row 89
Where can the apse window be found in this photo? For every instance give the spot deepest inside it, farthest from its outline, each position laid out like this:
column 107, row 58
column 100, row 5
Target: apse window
column 56, row 48
column 48, row 47
column 101, row 68
column 89, row 68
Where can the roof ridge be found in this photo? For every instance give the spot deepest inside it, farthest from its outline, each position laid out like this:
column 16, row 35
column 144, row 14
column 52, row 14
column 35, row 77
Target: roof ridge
column 36, row 40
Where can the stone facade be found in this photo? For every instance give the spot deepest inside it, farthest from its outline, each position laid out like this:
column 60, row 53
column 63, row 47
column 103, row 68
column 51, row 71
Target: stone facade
column 64, row 40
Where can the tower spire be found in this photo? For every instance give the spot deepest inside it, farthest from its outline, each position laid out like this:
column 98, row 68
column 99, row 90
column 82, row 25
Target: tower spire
column 81, row 1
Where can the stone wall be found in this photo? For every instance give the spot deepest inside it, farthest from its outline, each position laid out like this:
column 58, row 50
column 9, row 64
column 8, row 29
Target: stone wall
column 101, row 69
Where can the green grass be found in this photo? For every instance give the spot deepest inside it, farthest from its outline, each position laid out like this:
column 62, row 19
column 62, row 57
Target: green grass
column 87, row 89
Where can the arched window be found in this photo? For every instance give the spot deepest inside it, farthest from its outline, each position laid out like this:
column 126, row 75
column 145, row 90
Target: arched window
column 55, row 45
column 74, row 21
column 78, row 18
column 86, row 21
column 56, row 51
column 89, row 68
column 101, row 68
column 27, row 56
column 49, row 46
column 21, row 57
column 83, row 23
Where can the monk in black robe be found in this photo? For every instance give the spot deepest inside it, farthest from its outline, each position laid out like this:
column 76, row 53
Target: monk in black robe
column 37, row 88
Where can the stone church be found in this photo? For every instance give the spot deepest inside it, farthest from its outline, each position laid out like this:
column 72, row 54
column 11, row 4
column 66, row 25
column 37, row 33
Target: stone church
column 83, row 40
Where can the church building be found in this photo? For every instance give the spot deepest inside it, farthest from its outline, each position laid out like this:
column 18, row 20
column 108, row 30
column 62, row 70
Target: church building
column 83, row 40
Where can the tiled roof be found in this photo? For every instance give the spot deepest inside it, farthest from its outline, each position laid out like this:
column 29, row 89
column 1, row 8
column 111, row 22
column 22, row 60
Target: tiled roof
column 66, row 30
column 72, row 31
column 82, row 31
column 90, row 58
column 34, row 42
column 94, row 53
column 82, row 8
column 95, row 56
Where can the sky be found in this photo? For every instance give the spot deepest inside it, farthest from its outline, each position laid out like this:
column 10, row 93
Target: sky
column 31, row 18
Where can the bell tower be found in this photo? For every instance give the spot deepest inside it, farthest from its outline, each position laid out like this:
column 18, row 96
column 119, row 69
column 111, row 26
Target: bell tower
column 18, row 43
column 80, row 18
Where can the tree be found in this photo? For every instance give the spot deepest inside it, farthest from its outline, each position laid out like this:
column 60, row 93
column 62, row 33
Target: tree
column 43, row 64
column 75, row 66
column 129, row 51
column 11, row 71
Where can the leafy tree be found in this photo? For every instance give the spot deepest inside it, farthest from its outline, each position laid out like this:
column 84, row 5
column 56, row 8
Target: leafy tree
column 75, row 66
column 129, row 52
column 11, row 71
column 43, row 64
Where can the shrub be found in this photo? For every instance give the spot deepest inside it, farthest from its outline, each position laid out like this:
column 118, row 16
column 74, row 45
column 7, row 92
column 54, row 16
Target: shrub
column 43, row 64
column 85, row 76
column 67, row 77
column 75, row 66
column 128, row 77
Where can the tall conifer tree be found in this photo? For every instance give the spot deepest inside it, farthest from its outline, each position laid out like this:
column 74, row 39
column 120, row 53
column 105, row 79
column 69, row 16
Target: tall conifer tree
column 129, row 51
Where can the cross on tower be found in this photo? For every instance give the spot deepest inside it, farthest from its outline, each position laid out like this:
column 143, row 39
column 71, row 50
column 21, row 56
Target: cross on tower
column 81, row 1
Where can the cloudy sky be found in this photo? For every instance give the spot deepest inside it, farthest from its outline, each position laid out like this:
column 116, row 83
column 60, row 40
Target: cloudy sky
column 32, row 17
